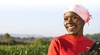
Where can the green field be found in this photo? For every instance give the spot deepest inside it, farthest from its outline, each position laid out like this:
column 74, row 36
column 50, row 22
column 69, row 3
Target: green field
column 23, row 50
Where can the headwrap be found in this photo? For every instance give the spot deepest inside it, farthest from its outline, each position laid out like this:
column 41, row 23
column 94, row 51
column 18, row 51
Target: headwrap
column 81, row 11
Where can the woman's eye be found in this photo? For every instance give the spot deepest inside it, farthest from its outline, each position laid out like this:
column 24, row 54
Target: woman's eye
column 75, row 17
column 65, row 18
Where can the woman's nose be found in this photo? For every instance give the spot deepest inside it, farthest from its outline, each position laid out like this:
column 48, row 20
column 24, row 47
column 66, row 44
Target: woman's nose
column 70, row 20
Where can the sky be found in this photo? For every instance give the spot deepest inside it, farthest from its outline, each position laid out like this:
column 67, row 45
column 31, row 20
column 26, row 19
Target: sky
column 43, row 17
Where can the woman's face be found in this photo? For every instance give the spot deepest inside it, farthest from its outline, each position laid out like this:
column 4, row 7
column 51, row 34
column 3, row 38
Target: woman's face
column 73, row 23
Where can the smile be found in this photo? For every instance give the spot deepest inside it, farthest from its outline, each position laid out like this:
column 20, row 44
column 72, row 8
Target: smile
column 71, row 27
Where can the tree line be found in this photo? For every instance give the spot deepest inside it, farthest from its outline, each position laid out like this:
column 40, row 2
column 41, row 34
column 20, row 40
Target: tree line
column 6, row 39
column 94, row 37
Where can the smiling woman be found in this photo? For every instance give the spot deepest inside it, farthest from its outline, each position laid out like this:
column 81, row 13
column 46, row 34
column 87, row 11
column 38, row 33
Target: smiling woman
column 73, row 23
column 75, row 42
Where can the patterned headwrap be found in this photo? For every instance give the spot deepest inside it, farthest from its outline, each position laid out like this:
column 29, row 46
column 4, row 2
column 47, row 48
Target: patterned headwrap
column 81, row 11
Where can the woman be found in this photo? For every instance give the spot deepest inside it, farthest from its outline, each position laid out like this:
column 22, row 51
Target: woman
column 74, row 42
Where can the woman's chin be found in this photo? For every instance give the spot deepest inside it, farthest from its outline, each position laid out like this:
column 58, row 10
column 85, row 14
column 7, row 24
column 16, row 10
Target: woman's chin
column 72, row 33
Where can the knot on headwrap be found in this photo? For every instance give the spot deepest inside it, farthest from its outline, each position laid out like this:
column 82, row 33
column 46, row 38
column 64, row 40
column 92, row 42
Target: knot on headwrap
column 81, row 11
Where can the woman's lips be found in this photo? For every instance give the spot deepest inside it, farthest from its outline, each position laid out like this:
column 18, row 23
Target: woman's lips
column 70, row 26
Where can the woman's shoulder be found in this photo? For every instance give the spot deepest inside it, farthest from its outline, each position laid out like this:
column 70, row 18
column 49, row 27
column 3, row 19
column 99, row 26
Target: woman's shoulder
column 59, row 38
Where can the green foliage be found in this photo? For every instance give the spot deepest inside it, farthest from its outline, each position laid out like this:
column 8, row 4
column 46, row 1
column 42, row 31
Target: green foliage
column 38, row 47
column 23, row 50
column 41, row 41
column 94, row 37
column 9, row 46
column 7, row 38
column 38, row 41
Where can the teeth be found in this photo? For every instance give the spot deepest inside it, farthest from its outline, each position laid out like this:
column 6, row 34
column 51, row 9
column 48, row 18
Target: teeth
column 71, row 27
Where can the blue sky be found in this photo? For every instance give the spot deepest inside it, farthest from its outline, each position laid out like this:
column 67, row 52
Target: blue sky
column 43, row 17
